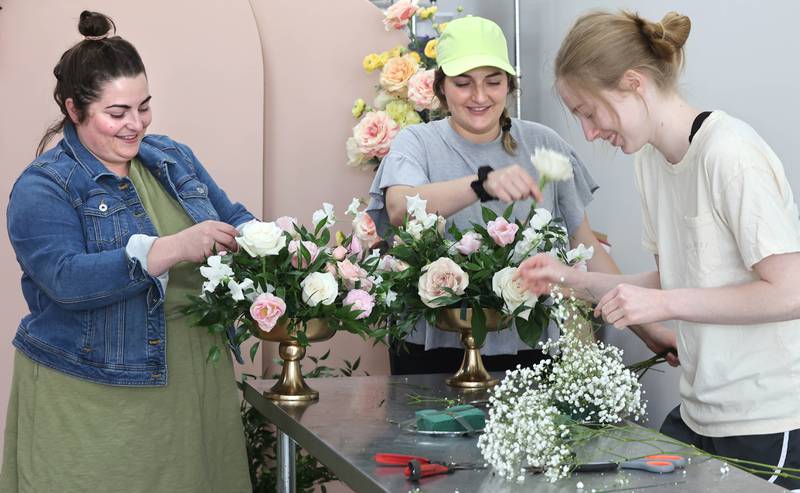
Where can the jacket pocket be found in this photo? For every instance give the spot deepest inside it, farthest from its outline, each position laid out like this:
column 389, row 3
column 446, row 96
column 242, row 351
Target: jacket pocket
column 105, row 221
column 194, row 195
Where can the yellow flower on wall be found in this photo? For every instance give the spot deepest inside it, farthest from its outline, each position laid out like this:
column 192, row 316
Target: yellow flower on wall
column 372, row 62
column 358, row 107
column 415, row 56
column 430, row 48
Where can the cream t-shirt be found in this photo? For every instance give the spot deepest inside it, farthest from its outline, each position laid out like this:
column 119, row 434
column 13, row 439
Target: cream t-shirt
column 710, row 218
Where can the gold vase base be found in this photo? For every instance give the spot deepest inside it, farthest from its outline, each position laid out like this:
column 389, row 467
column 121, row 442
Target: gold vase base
column 285, row 393
column 460, row 382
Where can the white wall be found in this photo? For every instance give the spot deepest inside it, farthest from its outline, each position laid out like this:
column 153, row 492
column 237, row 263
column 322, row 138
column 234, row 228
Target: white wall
column 740, row 58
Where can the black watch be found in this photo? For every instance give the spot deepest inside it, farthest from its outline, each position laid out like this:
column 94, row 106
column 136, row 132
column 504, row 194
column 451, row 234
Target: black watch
column 477, row 185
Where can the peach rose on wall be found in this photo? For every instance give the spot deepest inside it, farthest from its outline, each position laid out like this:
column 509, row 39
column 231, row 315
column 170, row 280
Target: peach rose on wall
column 396, row 74
column 420, row 91
column 399, row 13
column 374, row 133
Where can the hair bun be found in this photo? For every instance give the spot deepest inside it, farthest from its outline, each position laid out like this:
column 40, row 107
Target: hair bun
column 93, row 24
column 666, row 37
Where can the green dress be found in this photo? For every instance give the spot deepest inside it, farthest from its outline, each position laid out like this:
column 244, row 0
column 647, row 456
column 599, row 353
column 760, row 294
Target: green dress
column 70, row 435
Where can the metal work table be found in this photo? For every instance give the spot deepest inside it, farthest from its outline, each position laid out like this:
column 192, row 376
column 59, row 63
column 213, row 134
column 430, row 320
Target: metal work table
column 354, row 417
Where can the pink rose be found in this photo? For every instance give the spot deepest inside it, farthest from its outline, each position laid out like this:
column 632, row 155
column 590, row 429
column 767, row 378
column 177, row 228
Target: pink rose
column 469, row 243
column 294, row 247
column 356, row 248
column 399, row 13
column 501, row 231
column 365, row 231
column 358, row 299
column 374, row 133
column 266, row 310
column 330, row 268
column 439, row 274
column 350, row 273
column 420, row 91
column 339, row 253
column 287, row 223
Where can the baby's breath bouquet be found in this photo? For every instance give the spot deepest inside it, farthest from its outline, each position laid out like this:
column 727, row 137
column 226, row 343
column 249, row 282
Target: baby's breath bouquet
column 284, row 273
column 405, row 86
column 539, row 416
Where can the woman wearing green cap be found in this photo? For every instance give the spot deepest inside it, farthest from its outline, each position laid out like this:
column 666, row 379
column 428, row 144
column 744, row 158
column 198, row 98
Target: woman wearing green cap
column 479, row 156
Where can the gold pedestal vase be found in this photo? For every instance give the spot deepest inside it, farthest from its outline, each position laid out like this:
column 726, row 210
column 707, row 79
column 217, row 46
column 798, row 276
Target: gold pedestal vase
column 291, row 387
column 471, row 374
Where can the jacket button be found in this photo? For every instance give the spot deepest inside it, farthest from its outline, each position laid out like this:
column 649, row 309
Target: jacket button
column 199, row 189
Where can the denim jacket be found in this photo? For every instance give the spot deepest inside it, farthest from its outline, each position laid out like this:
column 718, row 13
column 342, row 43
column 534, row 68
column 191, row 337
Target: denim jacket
column 95, row 312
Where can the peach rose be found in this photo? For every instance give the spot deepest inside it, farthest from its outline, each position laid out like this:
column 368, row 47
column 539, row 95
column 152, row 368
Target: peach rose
column 351, row 273
column 339, row 253
column 365, row 231
column 374, row 133
column 420, row 91
column 396, row 74
column 501, row 231
column 440, row 274
column 399, row 13
column 266, row 310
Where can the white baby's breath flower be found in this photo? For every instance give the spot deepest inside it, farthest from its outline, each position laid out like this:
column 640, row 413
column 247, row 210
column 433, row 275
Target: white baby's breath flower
column 551, row 165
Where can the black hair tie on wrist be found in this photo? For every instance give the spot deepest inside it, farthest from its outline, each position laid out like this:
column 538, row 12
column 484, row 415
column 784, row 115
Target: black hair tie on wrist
column 477, row 185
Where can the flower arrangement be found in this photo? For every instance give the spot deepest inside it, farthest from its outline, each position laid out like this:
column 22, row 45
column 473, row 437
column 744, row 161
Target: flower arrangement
column 539, row 416
column 405, row 86
column 476, row 268
column 285, row 273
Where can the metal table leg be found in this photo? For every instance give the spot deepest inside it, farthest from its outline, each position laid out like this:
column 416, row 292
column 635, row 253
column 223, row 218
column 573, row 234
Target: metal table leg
column 286, row 463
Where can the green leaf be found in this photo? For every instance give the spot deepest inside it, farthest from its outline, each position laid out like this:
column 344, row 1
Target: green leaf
column 214, row 354
column 488, row 214
column 508, row 211
column 254, row 351
column 478, row 324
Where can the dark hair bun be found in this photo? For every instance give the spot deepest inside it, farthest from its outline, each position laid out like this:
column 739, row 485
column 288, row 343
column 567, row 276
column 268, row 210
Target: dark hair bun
column 95, row 24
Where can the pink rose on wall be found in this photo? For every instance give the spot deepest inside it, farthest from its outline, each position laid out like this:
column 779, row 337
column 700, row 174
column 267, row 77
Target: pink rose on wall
column 350, row 273
column 365, row 231
column 374, row 133
column 420, row 91
column 294, row 249
column 266, row 310
column 358, row 299
column 501, row 231
column 399, row 13
column 469, row 243
column 440, row 274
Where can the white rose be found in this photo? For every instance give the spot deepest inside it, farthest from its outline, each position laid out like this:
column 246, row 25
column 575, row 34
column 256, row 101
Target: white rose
column 319, row 287
column 439, row 274
column 261, row 239
column 552, row 165
column 513, row 291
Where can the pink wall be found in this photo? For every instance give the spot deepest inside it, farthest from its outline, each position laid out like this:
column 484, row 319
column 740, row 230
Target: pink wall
column 205, row 76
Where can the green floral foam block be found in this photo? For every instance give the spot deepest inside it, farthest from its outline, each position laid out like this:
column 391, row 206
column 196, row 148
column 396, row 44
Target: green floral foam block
column 451, row 419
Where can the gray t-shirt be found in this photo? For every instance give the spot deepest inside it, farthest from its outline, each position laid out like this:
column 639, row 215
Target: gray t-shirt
column 434, row 152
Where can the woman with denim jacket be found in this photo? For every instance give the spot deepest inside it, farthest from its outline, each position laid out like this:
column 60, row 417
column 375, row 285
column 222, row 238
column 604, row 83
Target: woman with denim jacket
column 107, row 227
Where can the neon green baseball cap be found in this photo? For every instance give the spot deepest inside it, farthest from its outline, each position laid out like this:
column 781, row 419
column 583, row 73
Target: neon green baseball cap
column 471, row 42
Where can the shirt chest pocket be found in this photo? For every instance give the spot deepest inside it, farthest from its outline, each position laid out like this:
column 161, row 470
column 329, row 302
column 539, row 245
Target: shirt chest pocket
column 701, row 244
column 106, row 224
column 194, row 195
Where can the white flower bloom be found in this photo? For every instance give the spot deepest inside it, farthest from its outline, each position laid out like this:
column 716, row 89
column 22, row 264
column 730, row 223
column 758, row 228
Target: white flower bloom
column 325, row 213
column 540, row 219
column 513, row 292
column 352, row 209
column 355, row 158
column 257, row 291
column 391, row 296
column 416, row 206
column 526, row 246
column 415, row 229
column 319, row 287
column 551, row 165
column 580, row 253
column 236, row 290
column 261, row 239
column 215, row 272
